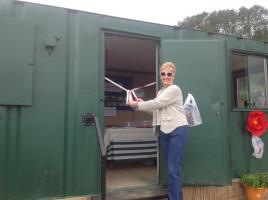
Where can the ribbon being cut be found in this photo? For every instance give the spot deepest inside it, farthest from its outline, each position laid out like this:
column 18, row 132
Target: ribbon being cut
column 130, row 94
column 257, row 125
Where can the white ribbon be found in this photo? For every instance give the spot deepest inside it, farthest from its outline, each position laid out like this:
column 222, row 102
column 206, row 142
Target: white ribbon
column 150, row 84
column 116, row 84
column 258, row 146
column 130, row 93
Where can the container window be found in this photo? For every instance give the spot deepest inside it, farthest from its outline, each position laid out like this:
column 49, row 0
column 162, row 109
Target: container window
column 249, row 74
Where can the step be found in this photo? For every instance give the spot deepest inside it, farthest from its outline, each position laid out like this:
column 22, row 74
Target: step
column 143, row 193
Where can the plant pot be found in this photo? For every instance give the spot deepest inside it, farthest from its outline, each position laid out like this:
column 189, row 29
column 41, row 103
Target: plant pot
column 256, row 193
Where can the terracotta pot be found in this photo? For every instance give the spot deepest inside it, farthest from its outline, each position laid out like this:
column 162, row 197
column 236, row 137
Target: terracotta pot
column 256, row 193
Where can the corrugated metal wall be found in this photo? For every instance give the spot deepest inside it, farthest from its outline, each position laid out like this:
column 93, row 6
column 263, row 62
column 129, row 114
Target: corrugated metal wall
column 46, row 151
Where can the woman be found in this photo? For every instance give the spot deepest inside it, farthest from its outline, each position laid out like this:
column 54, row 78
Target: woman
column 168, row 115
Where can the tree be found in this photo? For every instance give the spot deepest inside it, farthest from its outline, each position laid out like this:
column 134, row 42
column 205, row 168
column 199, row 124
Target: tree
column 251, row 23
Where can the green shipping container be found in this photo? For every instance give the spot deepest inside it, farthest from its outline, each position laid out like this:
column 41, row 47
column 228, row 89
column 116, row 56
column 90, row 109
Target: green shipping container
column 52, row 67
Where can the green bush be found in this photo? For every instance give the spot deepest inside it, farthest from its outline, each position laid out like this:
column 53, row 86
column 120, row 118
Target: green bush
column 257, row 180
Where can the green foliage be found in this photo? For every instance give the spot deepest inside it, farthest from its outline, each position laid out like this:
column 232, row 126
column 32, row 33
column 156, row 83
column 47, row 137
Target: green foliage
column 257, row 180
column 251, row 23
column 265, row 180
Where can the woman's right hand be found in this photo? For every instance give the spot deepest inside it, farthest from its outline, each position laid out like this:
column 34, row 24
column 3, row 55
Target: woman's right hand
column 132, row 104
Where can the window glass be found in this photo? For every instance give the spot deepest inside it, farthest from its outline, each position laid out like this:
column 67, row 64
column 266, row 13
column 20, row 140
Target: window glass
column 240, row 85
column 249, row 74
column 256, row 77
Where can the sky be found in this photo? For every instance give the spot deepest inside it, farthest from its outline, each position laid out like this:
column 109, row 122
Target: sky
column 167, row 12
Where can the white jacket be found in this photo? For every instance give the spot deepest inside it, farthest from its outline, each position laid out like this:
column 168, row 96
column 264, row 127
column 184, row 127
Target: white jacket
column 167, row 107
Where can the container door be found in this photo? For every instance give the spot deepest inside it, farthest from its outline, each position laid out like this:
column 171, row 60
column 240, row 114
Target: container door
column 201, row 72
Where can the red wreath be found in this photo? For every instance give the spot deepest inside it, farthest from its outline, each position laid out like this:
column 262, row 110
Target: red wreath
column 257, row 123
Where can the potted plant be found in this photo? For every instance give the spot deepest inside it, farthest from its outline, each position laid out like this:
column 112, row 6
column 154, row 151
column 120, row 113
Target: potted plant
column 256, row 185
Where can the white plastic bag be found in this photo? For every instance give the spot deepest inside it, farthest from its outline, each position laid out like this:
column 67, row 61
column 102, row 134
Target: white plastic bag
column 191, row 111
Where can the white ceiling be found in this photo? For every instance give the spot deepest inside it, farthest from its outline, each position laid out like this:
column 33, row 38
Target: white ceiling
column 130, row 54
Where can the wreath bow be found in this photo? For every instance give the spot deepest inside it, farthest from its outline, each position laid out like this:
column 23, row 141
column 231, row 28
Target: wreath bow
column 256, row 125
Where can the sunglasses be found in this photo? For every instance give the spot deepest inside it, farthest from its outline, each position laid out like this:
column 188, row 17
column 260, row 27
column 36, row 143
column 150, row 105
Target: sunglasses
column 168, row 74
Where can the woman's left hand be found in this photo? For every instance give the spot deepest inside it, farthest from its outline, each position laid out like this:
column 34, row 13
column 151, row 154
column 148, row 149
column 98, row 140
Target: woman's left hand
column 132, row 104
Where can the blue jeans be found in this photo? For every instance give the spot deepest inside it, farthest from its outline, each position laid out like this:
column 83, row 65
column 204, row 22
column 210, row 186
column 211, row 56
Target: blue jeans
column 173, row 145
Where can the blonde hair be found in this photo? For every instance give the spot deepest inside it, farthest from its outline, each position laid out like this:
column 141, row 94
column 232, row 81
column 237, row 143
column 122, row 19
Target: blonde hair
column 168, row 66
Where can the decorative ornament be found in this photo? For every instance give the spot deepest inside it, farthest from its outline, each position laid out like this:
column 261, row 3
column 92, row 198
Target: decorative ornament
column 256, row 125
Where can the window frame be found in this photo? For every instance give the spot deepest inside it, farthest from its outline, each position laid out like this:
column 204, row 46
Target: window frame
column 247, row 53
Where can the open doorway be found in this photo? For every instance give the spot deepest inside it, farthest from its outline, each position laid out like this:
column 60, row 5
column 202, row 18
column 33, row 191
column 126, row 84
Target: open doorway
column 132, row 151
